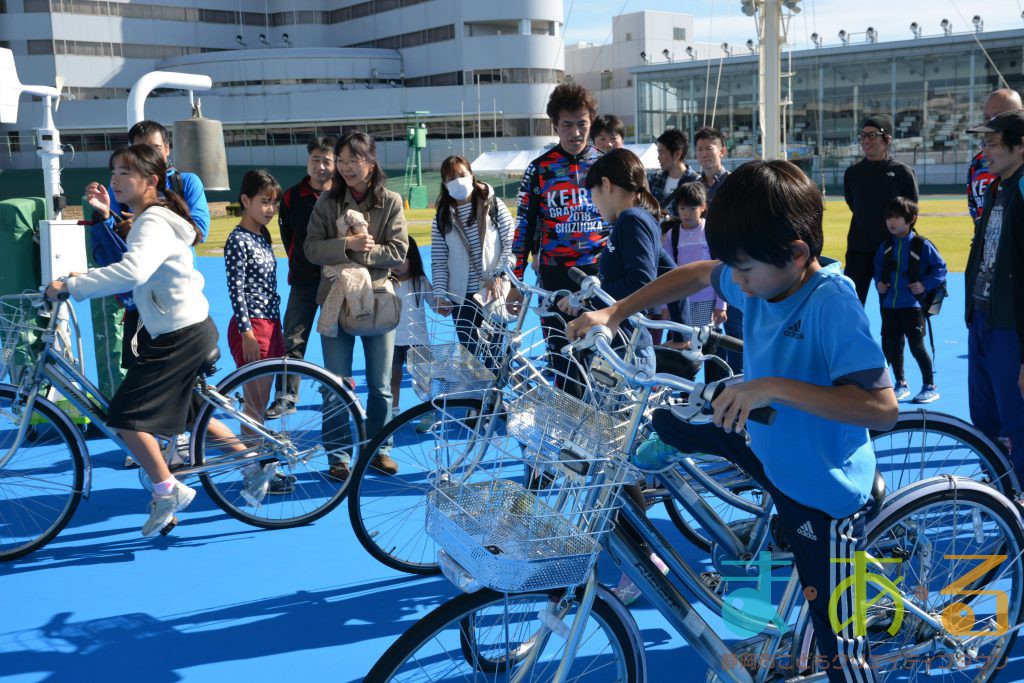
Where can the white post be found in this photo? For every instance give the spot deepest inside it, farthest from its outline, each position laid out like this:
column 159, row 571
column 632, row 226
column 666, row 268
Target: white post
column 771, row 95
column 49, row 150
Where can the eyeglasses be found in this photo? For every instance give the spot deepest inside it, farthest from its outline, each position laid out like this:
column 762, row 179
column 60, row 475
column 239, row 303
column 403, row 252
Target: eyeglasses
column 870, row 136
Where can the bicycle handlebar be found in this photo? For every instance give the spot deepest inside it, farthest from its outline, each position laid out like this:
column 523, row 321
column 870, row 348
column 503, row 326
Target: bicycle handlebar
column 599, row 337
column 590, row 286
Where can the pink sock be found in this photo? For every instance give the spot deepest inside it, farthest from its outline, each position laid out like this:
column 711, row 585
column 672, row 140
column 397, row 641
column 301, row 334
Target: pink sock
column 165, row 488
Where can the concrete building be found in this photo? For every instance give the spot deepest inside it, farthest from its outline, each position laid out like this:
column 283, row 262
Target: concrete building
column 933, row 87
column 483, row 71
column 637, row 38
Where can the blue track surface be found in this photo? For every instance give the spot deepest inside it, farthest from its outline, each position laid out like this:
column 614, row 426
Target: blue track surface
column 222, row 601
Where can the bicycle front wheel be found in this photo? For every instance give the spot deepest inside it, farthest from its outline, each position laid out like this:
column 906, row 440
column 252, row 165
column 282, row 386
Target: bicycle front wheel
column 953, row 548
column 489, row 636
column 388, row 511
column 41, row 483
column 316, row 427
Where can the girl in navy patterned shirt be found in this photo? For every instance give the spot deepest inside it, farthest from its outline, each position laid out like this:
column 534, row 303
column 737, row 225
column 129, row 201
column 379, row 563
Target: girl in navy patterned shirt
column 254, row 332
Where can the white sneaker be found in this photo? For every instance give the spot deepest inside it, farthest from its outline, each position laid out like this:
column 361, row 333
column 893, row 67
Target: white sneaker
column 258, row 483
column 162, row 508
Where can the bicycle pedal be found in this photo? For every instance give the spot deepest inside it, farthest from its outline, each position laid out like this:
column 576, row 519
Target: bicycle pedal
column 169, row 526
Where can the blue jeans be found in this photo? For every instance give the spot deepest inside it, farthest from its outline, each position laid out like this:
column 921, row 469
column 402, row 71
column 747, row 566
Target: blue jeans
column 378, row 351
column 993, row 365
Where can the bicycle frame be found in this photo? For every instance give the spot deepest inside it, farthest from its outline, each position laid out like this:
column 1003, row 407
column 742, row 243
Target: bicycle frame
column 68, row 379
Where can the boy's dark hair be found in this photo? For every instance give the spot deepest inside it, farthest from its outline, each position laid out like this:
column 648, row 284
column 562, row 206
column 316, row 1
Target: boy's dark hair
column 570, row 97
column 708, row 133
column 608, row 124
column 415, row 259
column 674, row 141
column 143, row 129
column 775, row 204
column 361, row 145
column 1011, row 138
column 623, row 169
column 321, row 143
column 901, row 207
column 147, row 161
column 691, row 194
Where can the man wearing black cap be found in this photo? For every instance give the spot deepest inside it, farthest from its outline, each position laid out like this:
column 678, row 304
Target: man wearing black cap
column 868, row 186
column 994, row 288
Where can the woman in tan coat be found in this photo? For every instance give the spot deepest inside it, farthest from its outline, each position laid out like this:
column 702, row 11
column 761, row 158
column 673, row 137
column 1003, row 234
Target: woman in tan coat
column 358, row 184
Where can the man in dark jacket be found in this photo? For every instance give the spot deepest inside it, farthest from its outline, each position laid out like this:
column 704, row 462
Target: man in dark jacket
column 303, row 276
column 868, row 186
column 994, row 289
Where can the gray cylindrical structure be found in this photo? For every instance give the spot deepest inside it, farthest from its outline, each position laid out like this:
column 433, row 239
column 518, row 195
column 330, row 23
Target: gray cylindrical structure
column 199, row 148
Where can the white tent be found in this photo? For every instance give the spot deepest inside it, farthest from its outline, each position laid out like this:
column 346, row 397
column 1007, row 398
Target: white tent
column 502, row 163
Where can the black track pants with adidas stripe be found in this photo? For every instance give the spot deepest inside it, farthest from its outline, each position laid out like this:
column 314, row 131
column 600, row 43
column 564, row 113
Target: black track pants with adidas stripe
column 815, row 537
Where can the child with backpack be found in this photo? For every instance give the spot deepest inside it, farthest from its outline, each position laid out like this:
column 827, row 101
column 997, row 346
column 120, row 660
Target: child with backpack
column 910, row 275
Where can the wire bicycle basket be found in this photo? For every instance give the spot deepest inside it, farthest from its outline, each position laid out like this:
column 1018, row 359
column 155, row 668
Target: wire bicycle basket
column 457, row 356
column 524, row 507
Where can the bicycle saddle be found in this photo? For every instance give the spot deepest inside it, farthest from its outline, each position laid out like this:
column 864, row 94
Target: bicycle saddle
column 209, row 366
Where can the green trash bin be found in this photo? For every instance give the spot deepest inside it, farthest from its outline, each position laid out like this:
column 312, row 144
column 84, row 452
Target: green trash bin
column 19, row 257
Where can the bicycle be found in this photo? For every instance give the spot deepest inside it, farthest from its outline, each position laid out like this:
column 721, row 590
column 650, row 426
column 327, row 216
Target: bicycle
column 45, row 468
column 464, row 377
column 558, row 623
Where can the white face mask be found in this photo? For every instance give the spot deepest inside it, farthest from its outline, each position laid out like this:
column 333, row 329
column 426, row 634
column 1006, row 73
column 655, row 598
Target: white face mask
column 460, row 188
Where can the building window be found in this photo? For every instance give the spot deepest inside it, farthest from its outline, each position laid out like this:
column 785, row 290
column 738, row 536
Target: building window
column 13, row 140
column 40, row 47
column 678, row 33
column 542, row 28
column 606, row 80
column 629, row 36
column 492, row 28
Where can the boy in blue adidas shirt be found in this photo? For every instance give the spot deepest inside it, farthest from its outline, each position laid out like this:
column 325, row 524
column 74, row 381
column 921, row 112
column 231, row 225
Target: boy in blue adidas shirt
column 810, row 354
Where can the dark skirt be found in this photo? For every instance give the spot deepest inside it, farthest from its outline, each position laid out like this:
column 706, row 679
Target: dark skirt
column 156, row 394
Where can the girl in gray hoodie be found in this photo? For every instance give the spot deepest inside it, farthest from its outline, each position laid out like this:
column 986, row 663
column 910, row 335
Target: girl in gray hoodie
column 160, row 271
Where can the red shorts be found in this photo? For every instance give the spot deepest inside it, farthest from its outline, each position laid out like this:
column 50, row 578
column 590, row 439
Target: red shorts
column 268, row 334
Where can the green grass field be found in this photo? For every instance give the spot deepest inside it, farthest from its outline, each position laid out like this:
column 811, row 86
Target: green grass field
column 944, row 221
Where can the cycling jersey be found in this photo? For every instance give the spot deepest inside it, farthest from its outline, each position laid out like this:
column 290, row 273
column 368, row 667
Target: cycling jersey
column 555, row 218
column 978, row 179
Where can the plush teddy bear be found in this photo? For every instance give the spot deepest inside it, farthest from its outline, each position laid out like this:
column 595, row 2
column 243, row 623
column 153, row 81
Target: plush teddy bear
column 350, row 282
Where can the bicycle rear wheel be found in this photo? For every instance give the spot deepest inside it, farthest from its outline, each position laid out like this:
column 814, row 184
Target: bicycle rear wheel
column 321, row 427
column 954, row 549
column 41, row 485
column 489, row 636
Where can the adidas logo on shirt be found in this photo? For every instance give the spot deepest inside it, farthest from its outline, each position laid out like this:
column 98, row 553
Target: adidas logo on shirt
column 806, row 531
column 794, row 330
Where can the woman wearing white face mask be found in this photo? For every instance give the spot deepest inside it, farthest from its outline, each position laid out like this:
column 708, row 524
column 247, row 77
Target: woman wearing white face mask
column 471, row 238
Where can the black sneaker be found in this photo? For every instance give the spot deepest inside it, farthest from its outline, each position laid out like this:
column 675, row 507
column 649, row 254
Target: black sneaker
column 280, row 406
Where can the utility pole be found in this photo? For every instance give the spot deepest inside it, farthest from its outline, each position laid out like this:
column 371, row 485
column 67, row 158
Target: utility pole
column 770, row 39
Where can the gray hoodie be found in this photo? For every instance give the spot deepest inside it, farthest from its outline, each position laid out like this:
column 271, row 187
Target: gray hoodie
column 159, row 269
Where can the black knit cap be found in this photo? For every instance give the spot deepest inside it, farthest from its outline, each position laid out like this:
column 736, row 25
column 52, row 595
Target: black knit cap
column 880, row 121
